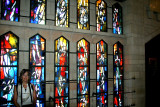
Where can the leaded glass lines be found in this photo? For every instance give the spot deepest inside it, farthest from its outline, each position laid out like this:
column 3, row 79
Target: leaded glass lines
column 61, row 87
column 83, row 14
column 83, row 69
column 118, row 75
column 102, row 74
column 10, row 10
column 38, row 11
column 62, row 13
column 101, row 15
column 8, row 66
column 37, row 66
column 117, row 19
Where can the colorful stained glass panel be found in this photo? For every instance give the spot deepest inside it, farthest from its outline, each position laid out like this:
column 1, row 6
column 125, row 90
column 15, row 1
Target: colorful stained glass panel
column 62, row 13
column 83, row 62
column 101, row 15
column 117, row 19
column 83, row 14
column 10, row 10
column 37, row 66
column 38, row 11
column 118, row 75
column 102, row 74
column 61, row 72
column 8, row 67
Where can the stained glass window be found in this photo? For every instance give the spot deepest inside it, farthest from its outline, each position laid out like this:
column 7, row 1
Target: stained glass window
column 8, row 66
column 118, row 75
column 37, row 66
column 102, row 74
column 62, row 13
column 117, row 19
column 38, row 11
column 101, row 15
column 10, row 10
column 83, row 67
column 61, row 87
column 83, row 14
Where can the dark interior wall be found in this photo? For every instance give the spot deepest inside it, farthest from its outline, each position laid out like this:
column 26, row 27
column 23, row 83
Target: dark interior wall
column 152, row 72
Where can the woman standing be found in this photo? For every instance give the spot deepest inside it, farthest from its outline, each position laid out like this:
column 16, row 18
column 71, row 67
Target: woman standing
column 24, row 93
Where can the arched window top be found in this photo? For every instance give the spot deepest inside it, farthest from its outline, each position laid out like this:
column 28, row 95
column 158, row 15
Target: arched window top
column 9, row 40
column 61, row 43
column 101, row 15
column 102, row 51
column 83, row 45
column 8, row 13
column 37, row 37
column 62, row 13
column 38, row 11
column 117, row 19
column 83, row 14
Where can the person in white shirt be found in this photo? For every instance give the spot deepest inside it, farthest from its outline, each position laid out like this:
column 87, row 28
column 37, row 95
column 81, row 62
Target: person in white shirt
column 24, row 92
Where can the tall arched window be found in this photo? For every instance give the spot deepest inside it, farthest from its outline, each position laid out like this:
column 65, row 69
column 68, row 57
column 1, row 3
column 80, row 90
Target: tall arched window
column 38, row 11
column 10, row 10
column 83, row 14
column 118, row 75
column 102, row 74
column 117, row 19
column 62, row 11
column 8, row 66
column 83, row 69
column 37, row 56
column 101, row 15
column 61, row 87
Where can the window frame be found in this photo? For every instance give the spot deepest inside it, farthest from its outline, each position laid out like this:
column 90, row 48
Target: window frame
column 107, row 71
column 31, row 66
column 68, row 51
column 122, row 82
column 45, row 13
column 84, row 66
column 9, row 32
column 119, row 7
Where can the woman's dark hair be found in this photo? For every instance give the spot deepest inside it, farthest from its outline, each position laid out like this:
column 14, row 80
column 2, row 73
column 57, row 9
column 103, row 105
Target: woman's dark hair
column 22, row 73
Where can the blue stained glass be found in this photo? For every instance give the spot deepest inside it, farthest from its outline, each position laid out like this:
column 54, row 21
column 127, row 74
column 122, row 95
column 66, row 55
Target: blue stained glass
column 62, row 13
column 37, row 11
column 117, row 18
column 102, row 74
column 8, row 67
column 10, row 10
column 37, row 65
column 118, row 75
